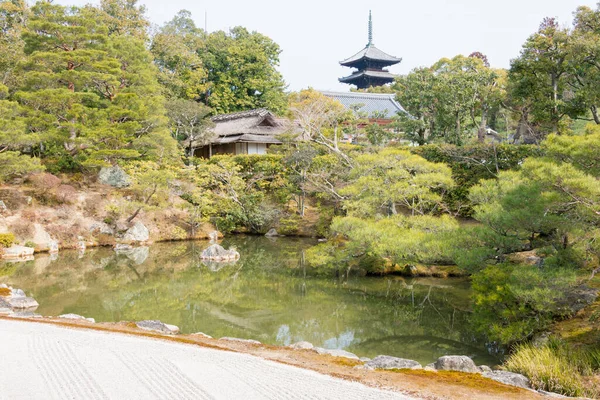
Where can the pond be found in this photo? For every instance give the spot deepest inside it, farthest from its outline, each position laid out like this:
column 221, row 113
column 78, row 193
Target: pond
column 268, row 295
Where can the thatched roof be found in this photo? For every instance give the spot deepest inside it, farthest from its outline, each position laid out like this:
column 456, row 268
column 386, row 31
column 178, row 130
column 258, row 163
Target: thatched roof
column 253, row 126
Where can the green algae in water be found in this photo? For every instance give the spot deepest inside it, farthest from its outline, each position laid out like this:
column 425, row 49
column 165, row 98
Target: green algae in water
column 268, row 295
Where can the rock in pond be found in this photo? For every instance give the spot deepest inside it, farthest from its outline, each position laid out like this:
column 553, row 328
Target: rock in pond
column 337, row 353
column 77, row 317
column 217, row 252
column 302, row 346
column 158, row 326
column 388, row 362
column 456, row 363
column 272, row 233
column 233, row 339
column 137, row 233
column 16, row 252
column 509, row 378
column 114, row 176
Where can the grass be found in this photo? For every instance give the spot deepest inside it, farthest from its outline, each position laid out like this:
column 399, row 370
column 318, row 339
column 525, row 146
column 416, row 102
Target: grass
column 558, row 367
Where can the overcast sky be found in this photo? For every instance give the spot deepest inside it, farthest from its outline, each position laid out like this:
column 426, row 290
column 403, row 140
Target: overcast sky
column 315, row 35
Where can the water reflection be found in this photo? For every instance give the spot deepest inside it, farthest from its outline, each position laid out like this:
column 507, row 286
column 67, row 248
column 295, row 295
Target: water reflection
column 267, row 295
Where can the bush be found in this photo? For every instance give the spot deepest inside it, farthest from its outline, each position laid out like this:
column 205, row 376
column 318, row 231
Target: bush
column 556, row 367
column 471, row 164
column 6, row 239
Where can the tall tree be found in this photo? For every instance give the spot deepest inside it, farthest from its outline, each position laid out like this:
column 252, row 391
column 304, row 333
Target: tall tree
column 177, row 49
column 539, row 77
column 91, row 98
column 242, row 72
column 584, row 59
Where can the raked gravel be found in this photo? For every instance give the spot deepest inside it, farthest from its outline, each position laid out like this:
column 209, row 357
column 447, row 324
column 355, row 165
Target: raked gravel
column 39, row 361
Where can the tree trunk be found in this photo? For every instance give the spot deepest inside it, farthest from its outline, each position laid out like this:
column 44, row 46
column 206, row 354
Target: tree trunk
column 482, row 126
column 555, row 103
column 595, row 114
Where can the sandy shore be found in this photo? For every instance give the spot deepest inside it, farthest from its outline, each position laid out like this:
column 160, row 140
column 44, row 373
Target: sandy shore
column 41, row 361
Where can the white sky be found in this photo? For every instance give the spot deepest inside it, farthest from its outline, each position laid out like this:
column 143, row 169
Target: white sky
column 315, row 35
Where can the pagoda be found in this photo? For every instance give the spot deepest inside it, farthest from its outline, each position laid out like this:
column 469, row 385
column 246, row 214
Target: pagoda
column 370, row 63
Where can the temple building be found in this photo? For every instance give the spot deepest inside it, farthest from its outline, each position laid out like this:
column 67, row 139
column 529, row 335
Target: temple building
column 369, row 64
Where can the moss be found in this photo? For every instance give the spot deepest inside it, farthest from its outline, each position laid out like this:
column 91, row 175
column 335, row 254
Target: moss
column 461, row 378
column 348, row 362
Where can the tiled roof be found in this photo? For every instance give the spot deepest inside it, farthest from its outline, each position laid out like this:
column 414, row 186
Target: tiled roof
column 380, row 103
column 259, row 112
column 372, row 53
column 370, row 74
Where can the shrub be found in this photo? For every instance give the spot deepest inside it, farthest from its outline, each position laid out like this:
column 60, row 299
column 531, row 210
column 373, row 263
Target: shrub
column 289, row 226
column 6, row 239
column 555, row 367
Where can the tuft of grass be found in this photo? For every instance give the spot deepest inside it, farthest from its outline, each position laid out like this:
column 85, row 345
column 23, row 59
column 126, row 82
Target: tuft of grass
column 557, row 367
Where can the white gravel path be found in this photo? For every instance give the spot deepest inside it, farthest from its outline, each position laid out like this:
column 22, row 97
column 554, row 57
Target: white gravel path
column 39, row 361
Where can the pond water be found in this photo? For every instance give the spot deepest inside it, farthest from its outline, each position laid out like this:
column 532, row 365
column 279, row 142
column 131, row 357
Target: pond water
column 268, row 295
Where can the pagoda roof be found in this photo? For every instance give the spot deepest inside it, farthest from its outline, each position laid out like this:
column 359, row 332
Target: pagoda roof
column 370, row 52
column 371, row 103
column 368, row 74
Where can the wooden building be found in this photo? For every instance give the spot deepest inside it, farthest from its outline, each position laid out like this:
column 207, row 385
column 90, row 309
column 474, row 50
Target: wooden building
column 370, row 64
column 245, row 132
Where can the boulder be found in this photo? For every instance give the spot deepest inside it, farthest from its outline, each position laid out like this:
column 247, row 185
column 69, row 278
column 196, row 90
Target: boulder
column 157, row 326
column 249, row 341
column 53, row 246
column 201, row 334
column 272, row 233
column 22, row 303
column 78, row 317
column 430, row 367
column 216, row 252
column 114, row 176
column 137, row 233
column 101, row 228
column 484, row 369
column 456, row 363
column 388, row 362
column 16, row 252
column 302, row 346
column 365, row 359
column 4, row 306
column 337, row 353
column 509, row 378
column 24, row 314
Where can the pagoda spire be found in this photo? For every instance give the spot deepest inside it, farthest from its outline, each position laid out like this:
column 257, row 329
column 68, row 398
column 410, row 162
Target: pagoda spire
column 370, row 30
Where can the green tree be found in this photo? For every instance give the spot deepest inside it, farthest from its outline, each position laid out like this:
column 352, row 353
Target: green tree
column 90, row 97
column 539, row 78
column 449, row 100
column 189, row 124
column 584, row 59
column 393, row 178
column 177, row 48
column 242, row 71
